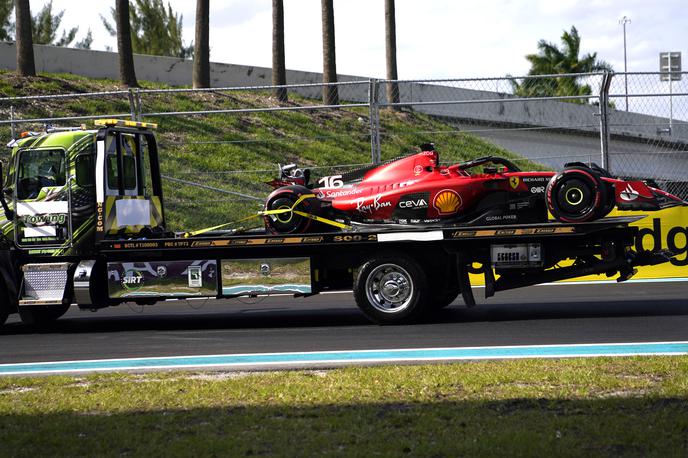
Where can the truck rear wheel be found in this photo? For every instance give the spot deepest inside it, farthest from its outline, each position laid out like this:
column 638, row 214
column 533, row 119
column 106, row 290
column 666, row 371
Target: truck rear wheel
column 391, row 289
column 42, row 314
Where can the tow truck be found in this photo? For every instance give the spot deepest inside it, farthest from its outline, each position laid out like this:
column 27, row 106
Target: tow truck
column 85, row 226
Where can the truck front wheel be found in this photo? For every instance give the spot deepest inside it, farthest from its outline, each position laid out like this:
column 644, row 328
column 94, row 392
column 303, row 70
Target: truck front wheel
column 4, row 303
column 42, row 314
column 391, row 289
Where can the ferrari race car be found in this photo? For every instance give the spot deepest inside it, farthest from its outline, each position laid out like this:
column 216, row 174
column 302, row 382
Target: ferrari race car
column 417, row 190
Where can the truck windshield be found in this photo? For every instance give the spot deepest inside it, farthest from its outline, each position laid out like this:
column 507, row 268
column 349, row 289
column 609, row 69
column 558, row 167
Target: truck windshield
column 39, row 169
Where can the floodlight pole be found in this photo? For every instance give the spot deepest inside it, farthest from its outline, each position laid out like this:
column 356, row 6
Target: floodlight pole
column 623, row 21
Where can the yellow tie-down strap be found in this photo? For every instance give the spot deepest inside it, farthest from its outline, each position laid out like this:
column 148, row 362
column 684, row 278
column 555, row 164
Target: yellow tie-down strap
column 291, row 209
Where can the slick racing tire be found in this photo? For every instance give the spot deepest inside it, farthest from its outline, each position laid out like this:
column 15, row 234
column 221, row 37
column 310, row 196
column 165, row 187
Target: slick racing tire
column 288, row 222
column 391, row 289
column 577, row 194
column 42, row 314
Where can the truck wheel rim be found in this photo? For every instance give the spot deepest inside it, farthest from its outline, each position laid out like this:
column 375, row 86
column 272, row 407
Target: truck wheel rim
column 389, row 288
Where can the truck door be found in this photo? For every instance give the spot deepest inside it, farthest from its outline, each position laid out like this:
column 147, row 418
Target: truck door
column 41, row 199
column 129, row 193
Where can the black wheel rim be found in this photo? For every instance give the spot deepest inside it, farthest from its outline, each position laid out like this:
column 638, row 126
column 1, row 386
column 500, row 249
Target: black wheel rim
column 575, row 197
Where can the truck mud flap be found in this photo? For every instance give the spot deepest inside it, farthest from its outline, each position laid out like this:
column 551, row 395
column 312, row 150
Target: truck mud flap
column 462, row 267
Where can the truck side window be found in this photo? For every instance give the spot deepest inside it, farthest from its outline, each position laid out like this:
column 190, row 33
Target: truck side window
column 84, row 165
column 145, row 167
column 38, row 170
column 129, row 180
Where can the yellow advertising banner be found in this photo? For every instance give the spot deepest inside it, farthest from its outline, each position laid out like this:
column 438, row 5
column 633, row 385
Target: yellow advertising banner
column 664, row 229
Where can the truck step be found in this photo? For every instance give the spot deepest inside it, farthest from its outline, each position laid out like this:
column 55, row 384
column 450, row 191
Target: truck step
column 44, row 284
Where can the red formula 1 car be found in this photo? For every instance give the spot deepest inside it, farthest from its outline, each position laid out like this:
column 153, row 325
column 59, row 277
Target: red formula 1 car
column 416, row 190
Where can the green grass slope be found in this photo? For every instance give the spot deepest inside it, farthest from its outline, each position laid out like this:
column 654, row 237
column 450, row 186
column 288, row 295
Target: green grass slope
column 239, row 152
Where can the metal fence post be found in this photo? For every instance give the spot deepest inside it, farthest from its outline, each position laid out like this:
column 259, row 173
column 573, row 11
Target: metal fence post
column 12, row 129
column 139, row 110
column 134, row 104
column 604, row 119
column 374, row 111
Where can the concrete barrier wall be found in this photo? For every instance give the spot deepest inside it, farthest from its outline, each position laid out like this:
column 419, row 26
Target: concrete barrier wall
column 169, row 70
column 177, row 72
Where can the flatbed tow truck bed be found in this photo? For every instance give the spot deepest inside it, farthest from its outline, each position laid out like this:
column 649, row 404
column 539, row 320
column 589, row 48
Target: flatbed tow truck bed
column 391, row 270
column 380, row 234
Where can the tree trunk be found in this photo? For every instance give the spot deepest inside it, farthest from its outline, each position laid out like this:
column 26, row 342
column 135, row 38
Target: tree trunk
column 127, row 73
column 25, row 61
column 201, row 64
column 330, row 93
column 279, row 72
column 391, row 53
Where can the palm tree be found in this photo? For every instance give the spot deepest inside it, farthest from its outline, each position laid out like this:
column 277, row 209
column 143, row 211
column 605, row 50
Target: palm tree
column 391, row 52
column 279, row 72
column 201, row 64
column 25, row 61
column 551, row 60
column 127, row 74
column 330, row 93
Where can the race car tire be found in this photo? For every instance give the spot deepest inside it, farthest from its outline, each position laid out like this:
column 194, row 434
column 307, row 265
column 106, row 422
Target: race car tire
column 577, row 194
column 42, row 314
column 391, row 289
column 288, row 222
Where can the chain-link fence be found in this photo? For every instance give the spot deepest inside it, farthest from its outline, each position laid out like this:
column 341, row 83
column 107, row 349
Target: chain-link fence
column 648, row 128
column 511, row 115
column 220, row 146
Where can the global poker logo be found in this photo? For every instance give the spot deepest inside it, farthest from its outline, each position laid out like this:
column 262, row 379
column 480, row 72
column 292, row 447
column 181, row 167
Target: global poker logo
column 132, row 280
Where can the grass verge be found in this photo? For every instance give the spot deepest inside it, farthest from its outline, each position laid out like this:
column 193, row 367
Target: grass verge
column 594, row 407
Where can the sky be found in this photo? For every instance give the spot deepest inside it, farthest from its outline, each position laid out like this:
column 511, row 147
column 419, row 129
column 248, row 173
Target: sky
column 435, row 38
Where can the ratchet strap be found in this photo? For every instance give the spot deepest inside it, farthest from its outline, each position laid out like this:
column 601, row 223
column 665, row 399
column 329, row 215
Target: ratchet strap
column 279, row 211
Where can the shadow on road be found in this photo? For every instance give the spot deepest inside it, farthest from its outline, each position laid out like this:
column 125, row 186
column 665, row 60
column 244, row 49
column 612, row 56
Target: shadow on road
column 343, row 315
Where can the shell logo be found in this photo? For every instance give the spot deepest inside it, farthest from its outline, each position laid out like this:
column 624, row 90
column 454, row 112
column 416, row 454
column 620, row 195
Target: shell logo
column 446, row 202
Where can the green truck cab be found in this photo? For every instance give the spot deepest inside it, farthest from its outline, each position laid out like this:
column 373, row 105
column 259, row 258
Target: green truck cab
column 66, row 190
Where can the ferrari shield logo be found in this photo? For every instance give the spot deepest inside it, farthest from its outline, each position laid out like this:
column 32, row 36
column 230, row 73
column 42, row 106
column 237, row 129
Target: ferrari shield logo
column 514, row 181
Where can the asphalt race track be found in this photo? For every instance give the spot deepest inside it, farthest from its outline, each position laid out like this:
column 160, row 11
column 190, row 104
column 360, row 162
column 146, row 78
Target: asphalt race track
column 541, row 315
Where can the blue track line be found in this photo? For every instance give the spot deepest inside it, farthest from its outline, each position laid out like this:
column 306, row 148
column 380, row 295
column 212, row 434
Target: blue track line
column 330, row 358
